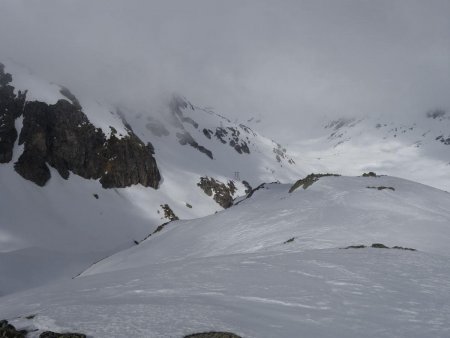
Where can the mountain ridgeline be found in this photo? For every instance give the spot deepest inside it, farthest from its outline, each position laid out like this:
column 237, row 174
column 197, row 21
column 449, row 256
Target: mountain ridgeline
column 97, row 177
column 118, row 147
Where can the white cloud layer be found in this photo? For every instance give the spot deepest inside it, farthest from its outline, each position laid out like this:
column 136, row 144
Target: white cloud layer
column 284, row 60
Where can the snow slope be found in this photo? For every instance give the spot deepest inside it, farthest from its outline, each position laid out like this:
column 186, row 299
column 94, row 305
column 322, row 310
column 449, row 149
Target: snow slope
column 413, row 147
column 333, row 212
column 236, row 270
column 79, row 222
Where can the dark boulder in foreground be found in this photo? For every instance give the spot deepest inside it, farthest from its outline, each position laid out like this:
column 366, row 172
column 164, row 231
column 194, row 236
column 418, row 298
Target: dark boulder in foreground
column 9, row 331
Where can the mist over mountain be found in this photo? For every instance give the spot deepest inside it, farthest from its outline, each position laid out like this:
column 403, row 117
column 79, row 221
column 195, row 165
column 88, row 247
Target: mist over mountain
column 289, row 62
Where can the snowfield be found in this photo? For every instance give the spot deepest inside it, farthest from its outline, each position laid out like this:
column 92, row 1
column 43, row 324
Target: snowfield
column 412, row 147
column 240, row 271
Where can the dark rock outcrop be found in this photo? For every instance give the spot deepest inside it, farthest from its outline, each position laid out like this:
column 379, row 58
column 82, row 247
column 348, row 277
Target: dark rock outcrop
column 369, row 174
column 33, row 167
column 232, row 137
column 378, row 246
column 186, row 138
column 222, row 193
column 290, row 240
column 355, row 247
column 382, row 188
column 11, row 107
column 213, row 335
column 237, row 143
column 308, row 181
column 281, row 153
column 220, row 134
column 50, row 334
column 207, row 133
column 61, row 136
column 402, row 248
column 443, row 140
column 128, row 162
column 9, row 331
column 168, row 213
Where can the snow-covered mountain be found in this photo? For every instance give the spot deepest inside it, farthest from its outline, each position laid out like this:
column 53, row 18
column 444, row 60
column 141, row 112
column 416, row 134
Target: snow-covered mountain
column 119, row 222
column 81, row 179
column 288, row 261
column 413, row 147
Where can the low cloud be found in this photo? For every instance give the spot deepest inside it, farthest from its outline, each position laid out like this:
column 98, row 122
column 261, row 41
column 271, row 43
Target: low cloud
column 285, row 61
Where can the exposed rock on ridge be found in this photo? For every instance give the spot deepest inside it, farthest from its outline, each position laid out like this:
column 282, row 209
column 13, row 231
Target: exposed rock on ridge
column 222, row 193
column 308, row 181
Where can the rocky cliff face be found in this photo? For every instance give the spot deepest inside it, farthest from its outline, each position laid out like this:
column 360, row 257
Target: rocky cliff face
column 11, row 106
column 60, row 135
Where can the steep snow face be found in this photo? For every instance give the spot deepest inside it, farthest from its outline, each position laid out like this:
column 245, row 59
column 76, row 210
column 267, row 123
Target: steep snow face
column 417, row 149
column 271, row 267
column 80, row 222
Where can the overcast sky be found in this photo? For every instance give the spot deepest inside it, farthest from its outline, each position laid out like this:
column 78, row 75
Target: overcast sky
column 284, row 60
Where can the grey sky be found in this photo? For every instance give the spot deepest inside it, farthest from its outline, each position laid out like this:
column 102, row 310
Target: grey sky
column 285, row 60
